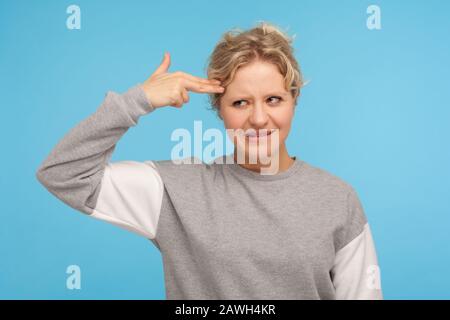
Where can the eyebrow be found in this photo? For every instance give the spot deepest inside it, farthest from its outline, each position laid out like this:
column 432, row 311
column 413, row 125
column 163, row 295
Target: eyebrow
column 243, row 96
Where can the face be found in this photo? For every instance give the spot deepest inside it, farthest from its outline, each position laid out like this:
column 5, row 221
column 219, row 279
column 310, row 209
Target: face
column 257, row 102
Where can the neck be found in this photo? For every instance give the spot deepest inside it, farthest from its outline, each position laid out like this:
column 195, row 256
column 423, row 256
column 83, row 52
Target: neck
column 285, row 161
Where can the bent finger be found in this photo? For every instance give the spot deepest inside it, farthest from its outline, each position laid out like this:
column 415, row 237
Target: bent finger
column 196, row 86
column 185, row 95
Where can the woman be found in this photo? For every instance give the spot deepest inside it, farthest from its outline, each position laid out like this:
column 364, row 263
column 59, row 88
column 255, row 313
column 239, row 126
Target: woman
column 225, row 230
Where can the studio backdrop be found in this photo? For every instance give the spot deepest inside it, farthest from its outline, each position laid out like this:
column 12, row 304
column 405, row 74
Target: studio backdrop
column 375, row 111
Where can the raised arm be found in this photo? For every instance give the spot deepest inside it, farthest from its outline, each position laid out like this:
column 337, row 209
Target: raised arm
column 125, row 193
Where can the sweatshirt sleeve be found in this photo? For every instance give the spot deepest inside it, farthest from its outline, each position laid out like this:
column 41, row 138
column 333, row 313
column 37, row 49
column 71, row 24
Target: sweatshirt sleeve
column 356, row 273
column 78, row 172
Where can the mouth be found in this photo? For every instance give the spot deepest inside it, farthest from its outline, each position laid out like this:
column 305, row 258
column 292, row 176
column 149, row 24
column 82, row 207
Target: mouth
column 253, row 134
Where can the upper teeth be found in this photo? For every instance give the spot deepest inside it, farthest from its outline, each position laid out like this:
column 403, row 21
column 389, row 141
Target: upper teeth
column 262, row 132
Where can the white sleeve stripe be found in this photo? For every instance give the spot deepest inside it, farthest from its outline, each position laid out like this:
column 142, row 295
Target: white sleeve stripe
column 355, row 273
column 131, row 196
column 123, row 224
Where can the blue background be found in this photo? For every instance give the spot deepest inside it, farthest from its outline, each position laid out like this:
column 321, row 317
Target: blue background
column 376, row 113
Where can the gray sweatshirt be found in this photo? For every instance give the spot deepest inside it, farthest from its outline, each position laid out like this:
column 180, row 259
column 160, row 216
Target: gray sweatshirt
column 224, row 232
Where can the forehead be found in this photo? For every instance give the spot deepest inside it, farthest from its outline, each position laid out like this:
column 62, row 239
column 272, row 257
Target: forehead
column 258, row 76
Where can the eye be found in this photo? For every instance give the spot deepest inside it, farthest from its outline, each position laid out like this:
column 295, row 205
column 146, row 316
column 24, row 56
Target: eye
column 276, row 97
column 234, row 104
column 237, row 103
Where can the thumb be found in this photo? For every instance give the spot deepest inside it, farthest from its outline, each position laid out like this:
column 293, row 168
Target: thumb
column 164, row 66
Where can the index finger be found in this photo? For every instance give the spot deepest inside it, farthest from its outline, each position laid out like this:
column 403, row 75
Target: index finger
column 199, row 79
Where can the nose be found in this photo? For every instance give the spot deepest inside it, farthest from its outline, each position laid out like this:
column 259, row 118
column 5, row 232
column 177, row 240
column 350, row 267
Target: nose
column 258, row 116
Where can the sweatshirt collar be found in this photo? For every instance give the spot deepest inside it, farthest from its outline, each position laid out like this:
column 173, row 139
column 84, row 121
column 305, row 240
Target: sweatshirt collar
column 228, row 160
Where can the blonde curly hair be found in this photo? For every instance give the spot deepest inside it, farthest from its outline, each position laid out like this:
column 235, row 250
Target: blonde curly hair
column 265, row 42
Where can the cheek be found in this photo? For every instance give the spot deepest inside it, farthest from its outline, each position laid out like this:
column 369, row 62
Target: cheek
column 233, row 119
column 283, row 119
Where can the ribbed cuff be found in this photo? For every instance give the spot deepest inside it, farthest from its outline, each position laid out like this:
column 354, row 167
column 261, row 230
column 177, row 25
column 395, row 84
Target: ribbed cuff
column 137, row 102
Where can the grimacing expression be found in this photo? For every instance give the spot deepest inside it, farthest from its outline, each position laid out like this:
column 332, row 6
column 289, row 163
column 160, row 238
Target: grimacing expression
column 257, row 99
